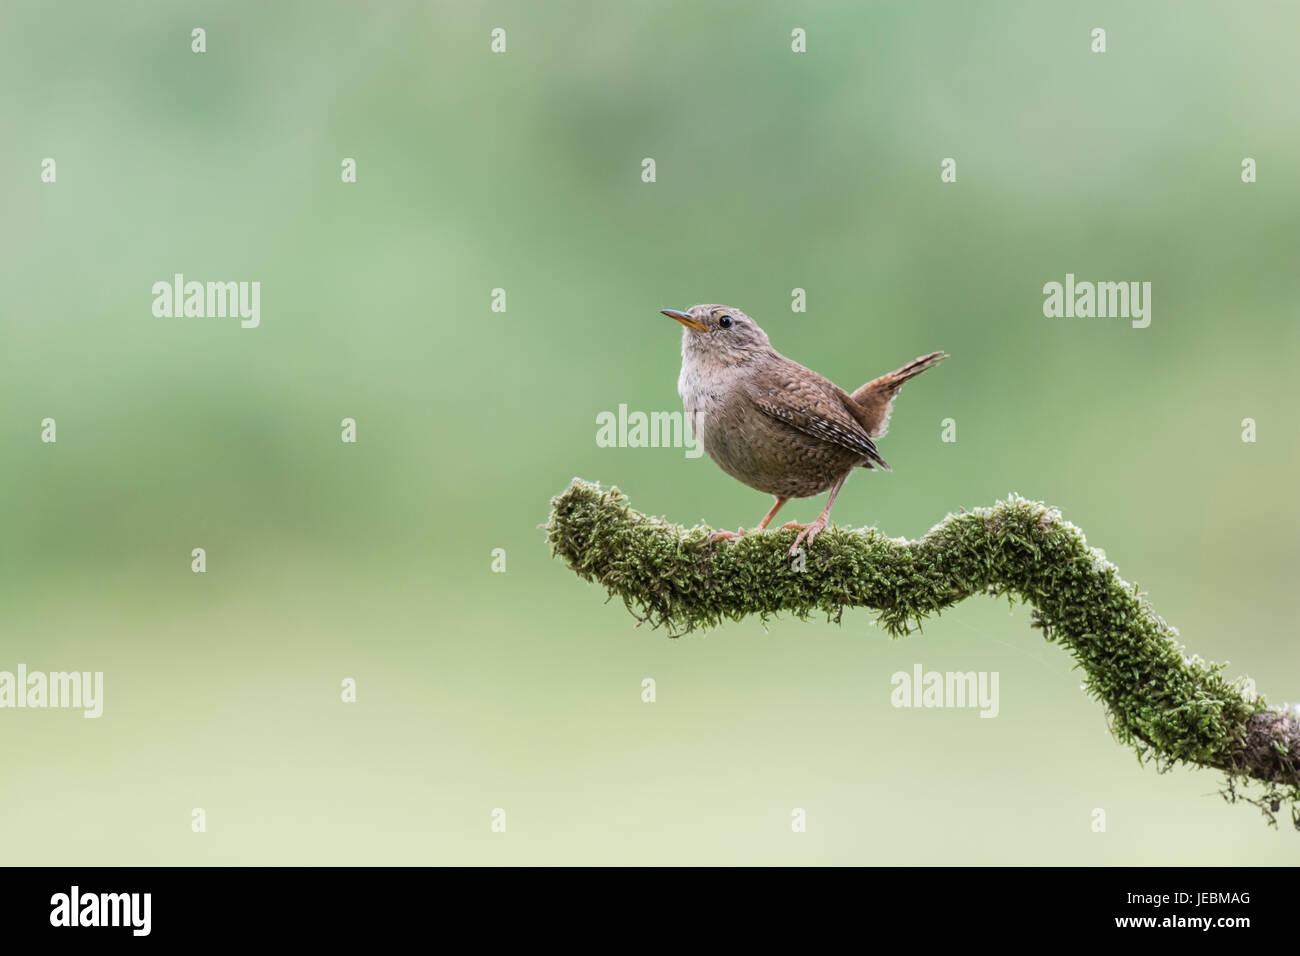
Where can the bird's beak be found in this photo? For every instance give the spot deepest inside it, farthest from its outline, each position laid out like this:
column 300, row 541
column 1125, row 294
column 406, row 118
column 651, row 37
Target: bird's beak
column 685, row 320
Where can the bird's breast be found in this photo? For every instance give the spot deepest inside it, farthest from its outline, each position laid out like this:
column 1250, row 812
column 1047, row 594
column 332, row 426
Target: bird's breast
column 760, row 451
column 701, row 395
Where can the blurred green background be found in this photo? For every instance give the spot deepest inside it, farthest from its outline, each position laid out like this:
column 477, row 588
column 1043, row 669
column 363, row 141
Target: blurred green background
column 522, row 171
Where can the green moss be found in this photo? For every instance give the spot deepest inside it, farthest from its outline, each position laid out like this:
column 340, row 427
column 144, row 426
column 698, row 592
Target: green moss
column 1167, row 706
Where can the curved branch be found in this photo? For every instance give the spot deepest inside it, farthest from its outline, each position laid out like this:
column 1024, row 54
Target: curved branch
column 1163, row 704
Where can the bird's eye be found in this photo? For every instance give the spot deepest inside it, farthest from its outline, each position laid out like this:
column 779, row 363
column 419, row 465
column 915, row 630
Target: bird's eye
column 724, row 321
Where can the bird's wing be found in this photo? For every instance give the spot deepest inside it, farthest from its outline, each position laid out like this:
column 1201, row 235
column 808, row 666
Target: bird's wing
column 806, row 401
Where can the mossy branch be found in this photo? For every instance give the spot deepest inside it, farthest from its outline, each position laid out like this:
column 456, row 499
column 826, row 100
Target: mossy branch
column 1173, row 708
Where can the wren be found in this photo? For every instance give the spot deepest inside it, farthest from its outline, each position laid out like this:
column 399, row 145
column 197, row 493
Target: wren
column 773, row 424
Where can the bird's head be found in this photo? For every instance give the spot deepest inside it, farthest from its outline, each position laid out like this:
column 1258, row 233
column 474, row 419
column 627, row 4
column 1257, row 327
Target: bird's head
column 719, row 330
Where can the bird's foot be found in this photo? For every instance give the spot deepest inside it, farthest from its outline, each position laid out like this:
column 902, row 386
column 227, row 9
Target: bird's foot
column 721, row 535
column 806, row 532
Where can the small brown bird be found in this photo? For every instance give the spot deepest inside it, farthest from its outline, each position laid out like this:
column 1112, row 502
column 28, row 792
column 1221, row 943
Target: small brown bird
column 773, row 424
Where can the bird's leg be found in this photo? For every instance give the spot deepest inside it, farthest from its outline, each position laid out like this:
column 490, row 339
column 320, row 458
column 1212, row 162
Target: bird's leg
column 772, row 514
column 811, row 531
column 720, row 535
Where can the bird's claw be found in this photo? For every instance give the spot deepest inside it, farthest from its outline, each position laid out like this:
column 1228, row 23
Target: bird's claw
column 722, row 535
column 807, row 532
